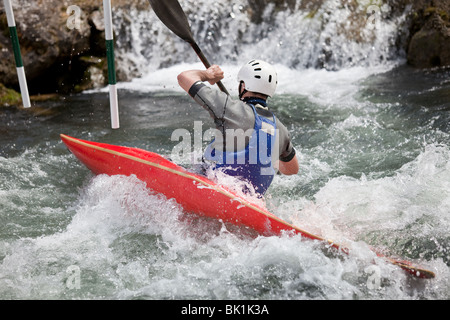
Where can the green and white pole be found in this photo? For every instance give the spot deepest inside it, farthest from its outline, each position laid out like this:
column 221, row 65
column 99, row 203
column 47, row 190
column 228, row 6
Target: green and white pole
column 17, row 55
column 114, row 105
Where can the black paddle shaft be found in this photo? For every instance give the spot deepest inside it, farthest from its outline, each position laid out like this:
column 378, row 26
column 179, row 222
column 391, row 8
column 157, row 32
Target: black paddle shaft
column 172, row 15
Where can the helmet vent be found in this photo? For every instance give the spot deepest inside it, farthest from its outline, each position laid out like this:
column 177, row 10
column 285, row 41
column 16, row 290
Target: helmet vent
column 257, row 69
column 270, row 78
column 255, row 64
column 258, row 77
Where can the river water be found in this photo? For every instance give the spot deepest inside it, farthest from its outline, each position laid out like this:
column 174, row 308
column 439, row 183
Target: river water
column 373, row 142
column 374, row 153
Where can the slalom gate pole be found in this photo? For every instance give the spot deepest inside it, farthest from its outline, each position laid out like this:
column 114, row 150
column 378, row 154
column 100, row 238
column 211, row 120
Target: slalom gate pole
column 111, row 67
column 17, row 55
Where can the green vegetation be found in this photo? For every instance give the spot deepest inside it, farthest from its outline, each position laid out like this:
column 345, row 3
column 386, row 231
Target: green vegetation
column 9, row 97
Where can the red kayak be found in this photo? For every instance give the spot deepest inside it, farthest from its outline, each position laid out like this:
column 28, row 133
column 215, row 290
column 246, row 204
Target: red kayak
column 195, row 193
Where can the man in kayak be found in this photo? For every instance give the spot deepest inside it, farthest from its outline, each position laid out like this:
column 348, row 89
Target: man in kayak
column 252, row 142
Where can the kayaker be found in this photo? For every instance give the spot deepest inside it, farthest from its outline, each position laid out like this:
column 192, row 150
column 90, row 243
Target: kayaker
column 252, row 142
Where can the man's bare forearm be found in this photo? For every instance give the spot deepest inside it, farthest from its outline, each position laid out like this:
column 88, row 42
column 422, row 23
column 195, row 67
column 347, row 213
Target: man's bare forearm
column 187, row 78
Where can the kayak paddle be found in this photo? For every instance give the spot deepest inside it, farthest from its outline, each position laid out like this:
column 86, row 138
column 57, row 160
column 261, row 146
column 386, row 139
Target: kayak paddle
column 172, row 15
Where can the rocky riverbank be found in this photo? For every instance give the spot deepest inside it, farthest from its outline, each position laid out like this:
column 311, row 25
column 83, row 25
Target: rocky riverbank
column 61, row 53
column 429, row 44
column 64, row 55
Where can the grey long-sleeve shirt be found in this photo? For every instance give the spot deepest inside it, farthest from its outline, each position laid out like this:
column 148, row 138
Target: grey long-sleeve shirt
column 236, row 114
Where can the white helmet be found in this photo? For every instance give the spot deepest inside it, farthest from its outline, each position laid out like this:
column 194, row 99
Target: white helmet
column 259, row 76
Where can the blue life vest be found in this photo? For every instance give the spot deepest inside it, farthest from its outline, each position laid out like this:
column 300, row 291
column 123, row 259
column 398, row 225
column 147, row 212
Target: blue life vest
column 254, row 163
